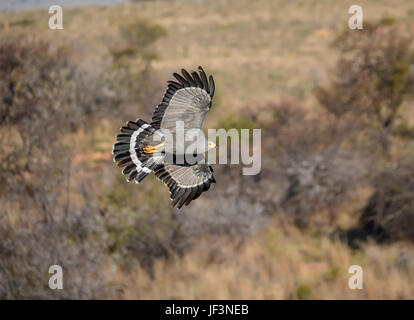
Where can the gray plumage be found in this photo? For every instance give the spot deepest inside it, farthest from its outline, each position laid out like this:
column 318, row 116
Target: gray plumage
column 186, row 100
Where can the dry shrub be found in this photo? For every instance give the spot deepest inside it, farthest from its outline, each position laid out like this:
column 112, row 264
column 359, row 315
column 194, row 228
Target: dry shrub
column 132, row 54
column 46, row 97
column 139, row 222
column 373, row 77
column 309, row 166
column 312, row 153
column 140, row 225
column 389, row 214
column 51, row 211
column 273, row 264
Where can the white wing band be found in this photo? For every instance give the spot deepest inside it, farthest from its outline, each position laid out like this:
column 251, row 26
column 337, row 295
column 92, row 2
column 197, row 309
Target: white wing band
column 132, row 151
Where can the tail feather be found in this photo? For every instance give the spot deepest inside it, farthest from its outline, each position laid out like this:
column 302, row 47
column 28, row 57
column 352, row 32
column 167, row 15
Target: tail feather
column 128, row 151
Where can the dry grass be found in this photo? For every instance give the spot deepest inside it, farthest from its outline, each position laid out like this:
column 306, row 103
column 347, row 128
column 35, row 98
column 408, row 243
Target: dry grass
column 272, row 48
column 258, row 51
column 280, row 263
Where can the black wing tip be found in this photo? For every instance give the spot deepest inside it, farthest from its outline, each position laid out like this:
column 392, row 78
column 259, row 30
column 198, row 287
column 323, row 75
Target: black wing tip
column 181, row 79
column 210, row 86
column 188, row 79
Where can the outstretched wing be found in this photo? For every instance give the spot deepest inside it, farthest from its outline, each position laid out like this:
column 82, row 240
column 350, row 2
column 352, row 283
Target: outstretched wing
column 186, row 183
column 188, row 99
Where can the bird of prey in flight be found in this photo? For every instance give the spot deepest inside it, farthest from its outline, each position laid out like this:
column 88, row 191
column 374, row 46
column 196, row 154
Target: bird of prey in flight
column 143, row 148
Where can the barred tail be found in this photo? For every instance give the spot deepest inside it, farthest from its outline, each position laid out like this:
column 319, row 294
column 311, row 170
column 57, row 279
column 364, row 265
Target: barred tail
column 128, row 152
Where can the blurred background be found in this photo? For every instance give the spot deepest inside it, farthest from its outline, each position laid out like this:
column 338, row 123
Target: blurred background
column 337, row 183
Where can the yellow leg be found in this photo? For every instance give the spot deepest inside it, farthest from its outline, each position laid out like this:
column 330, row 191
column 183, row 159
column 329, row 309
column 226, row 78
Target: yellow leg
column 153, row 149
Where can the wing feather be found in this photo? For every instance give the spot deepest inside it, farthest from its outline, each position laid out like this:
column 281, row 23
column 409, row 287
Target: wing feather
column 186, row 183
column 189, row 78
column 203, row 78
column 197, row 79
column 188, row 99
column 180, row 79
